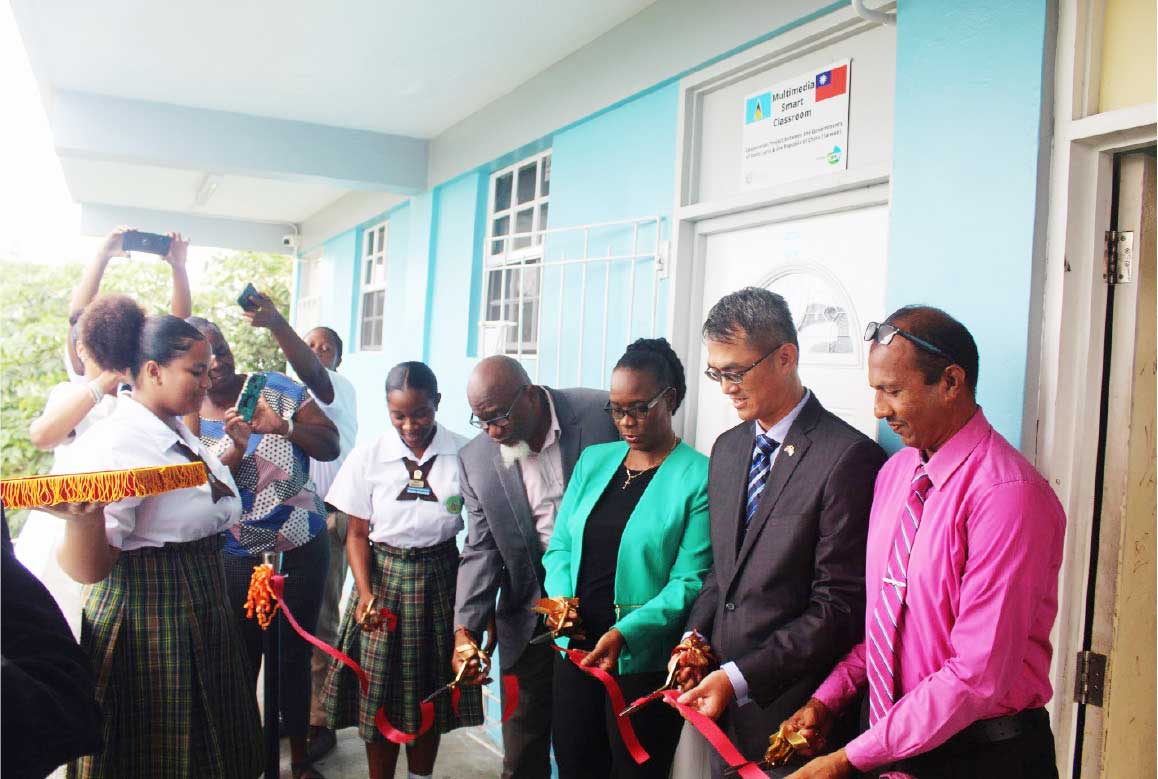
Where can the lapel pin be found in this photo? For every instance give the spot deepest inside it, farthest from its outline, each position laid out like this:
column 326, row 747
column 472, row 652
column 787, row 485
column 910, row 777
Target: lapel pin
column 790, row 450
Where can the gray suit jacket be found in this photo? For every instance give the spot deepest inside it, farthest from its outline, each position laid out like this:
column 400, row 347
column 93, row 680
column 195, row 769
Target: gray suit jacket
column 502, row 555
column 787, row 601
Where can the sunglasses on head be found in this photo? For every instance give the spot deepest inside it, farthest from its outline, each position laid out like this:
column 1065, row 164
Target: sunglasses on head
column 884, row 334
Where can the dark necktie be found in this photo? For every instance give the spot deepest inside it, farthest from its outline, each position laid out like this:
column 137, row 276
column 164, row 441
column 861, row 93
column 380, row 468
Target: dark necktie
column 217, row 488
column 758, row 472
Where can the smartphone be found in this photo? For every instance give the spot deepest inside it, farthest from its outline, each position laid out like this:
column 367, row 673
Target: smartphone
column 245, row 300
column 135, row 241
column 250, row 394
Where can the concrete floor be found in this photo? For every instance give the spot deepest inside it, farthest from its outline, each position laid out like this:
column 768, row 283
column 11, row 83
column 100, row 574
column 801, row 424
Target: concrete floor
column 465, row 753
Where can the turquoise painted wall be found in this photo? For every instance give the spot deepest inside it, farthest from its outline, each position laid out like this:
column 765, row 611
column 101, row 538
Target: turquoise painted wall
column 451, row 274
column 618, row 165
column 967, row 137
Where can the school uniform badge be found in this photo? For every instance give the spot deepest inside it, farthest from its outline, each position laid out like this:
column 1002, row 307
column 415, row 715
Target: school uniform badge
column 454, row 504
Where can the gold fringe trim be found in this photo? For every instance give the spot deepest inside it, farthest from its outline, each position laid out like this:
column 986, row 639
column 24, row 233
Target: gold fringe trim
column 100, row 486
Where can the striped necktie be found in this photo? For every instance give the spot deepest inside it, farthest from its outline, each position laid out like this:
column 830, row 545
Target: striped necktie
column 758, row 472
column 882, row 647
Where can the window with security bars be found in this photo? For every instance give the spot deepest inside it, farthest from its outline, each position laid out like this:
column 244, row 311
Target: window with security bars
column 373, row 281
column 517, row 213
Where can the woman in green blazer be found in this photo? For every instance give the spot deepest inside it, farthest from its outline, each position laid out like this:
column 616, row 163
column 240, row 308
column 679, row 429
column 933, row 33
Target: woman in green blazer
column 631, row 542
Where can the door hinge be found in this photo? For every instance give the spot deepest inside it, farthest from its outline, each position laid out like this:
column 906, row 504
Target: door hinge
column 1118, row 262
column 1090, row 678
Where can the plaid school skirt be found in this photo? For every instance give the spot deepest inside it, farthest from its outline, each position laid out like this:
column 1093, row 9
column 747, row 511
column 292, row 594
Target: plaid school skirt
column 170, row 676
column 406, row 665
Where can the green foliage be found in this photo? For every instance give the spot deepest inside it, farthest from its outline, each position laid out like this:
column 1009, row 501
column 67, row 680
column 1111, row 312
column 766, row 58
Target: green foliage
column 34, row 302
column 216, row 299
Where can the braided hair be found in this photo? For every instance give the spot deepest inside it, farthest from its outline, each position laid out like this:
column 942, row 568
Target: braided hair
column 656, row 357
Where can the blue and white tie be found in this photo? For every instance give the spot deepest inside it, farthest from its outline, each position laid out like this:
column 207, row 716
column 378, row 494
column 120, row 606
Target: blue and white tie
column 758, row 472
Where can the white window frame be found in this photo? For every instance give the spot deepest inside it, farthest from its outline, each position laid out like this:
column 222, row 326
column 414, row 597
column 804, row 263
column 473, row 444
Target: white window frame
column 509, row 259
column 372, row 280
column 308, row 309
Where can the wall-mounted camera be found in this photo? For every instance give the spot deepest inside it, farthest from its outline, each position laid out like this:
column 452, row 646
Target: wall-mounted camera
column 289, row 241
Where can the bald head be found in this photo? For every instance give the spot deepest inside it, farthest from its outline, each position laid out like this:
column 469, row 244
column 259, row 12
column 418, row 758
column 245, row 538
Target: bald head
column 499, row 388
column 496, row 375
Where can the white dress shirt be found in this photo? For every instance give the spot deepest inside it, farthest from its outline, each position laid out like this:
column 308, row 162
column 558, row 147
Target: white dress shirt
column 343, row 412
column 134, row 437
column 369, row 484
column 543, row 478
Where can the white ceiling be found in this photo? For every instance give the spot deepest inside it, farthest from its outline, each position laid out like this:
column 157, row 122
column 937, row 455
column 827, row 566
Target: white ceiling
column 169, row 189
column 385, row 65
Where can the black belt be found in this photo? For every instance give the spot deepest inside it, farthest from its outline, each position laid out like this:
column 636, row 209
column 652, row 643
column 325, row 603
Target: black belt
column 991, row 731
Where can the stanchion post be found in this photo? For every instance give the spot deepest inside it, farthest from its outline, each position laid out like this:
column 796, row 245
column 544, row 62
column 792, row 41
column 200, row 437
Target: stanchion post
column 272, row 652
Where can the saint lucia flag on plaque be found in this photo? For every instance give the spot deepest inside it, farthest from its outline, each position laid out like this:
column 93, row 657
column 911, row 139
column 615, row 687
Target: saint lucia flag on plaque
column 758, row 107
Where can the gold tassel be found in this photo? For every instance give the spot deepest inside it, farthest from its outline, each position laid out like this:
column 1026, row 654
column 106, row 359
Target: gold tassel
column 100, row 486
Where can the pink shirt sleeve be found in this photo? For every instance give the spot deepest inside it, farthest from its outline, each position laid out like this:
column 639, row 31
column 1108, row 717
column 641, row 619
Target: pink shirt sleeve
column 846, row 679
column 1007, row 532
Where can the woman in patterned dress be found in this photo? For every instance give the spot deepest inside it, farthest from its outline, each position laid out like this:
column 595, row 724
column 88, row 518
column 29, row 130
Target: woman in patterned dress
column 281, row 513
column 405, row 508
column 163, row 641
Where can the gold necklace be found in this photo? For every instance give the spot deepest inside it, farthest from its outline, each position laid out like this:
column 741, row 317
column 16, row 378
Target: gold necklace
column 632, row 475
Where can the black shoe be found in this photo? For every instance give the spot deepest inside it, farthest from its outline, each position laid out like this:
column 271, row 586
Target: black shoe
column 321, row 743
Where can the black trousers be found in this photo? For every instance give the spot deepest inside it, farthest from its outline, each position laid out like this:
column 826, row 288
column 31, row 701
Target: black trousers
column 586, row 738
column 1027, row 756
column 305, row 570
column 527, row 734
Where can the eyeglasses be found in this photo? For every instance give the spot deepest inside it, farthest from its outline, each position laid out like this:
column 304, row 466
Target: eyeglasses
column 884, row 333
column 637, row 411
column 502, row 420
column 737, row 377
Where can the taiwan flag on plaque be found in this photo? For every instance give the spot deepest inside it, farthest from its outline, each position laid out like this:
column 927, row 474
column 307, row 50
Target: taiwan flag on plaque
column 831, row 83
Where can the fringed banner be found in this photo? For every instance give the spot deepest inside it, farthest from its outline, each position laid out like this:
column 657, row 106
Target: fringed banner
column 265, row 587
column 99, row 486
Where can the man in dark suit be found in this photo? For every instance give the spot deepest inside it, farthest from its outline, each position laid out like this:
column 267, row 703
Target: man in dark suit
column 789, row 490
column 512, row 481
column 50, row 713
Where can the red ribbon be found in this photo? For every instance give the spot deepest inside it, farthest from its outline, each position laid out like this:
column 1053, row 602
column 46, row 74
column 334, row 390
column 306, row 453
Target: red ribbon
column 626, row 732
column 711, row 731
column 426, row 710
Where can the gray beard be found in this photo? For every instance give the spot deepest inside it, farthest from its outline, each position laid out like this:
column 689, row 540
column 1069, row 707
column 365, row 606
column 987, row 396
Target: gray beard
column 514, row 453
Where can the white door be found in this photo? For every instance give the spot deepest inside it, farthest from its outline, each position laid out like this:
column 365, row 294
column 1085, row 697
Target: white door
column 831, row 270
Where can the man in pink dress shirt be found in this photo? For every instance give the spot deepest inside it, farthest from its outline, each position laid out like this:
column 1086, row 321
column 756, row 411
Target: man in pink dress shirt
column 964, row 547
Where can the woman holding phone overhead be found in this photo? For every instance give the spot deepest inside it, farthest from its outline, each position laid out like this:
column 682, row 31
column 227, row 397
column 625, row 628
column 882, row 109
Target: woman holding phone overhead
column 164, row 645
column 402, row 495
column 281, row 513
column 631, row 543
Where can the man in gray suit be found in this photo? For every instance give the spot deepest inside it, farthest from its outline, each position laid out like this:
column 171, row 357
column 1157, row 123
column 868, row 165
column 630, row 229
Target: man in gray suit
column 789, row 491
column 512, row 481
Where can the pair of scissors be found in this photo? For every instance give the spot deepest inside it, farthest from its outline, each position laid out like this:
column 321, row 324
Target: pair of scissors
column 467, row 652
column 668, row 684
column 781, row 748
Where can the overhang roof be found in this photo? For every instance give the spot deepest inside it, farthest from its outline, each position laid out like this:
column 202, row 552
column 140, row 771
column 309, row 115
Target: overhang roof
column 268, row 112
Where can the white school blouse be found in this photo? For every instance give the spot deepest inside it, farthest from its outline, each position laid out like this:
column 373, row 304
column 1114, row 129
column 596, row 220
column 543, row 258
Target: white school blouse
column 373, row 477
column 134, row 437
